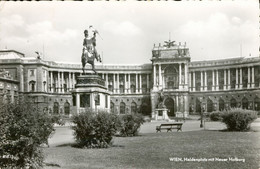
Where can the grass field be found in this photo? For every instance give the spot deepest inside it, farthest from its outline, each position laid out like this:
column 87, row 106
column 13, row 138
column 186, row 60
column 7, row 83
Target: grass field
column 153, row 150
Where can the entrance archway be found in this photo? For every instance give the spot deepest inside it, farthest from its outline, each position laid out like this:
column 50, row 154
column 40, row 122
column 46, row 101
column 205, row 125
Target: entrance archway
column 169, row 103
column 198, row 106
column 244, row 103
column 209, row 105
column 122, row 108
column 233, row 103
column 56, row 108
column 221, row 104
column 67, row 108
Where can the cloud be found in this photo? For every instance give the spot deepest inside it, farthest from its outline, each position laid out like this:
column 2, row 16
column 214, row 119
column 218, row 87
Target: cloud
column 220, row 33
column 125, row 28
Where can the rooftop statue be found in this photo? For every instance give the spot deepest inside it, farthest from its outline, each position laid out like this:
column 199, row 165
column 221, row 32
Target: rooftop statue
column 89, row 52
column 169, row 43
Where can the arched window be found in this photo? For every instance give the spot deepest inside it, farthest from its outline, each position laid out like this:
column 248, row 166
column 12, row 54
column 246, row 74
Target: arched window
column 32, row 86
column 122, row 108
column 233, row 103
column 133, row 107
column 122, row 88
column 244, row 103
column 257, row 104
column 132, row 88
column 144, row 88
column 221, row 104
column 209, row 105
column 67, row 108
column 198, row 106
column 56, row 108
column 110, row 88
column 169, row 103
column 112, row 107
column 171, row 77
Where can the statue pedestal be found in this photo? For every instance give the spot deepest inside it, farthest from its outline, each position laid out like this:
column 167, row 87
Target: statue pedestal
column 90, row 93
column 161, row 114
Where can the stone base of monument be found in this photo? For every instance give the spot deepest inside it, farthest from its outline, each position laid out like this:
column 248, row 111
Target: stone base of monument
column 91, row 93
column 161, row 114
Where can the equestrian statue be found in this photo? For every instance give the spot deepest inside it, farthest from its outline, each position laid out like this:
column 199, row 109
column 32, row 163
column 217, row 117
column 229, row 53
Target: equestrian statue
column 89, row 52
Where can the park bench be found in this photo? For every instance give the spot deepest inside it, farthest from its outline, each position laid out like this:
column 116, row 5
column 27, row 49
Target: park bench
column 169, row 127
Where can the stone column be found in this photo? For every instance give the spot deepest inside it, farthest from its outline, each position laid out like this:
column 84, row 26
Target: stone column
column 225, row 79
column 160, row 76
column 206, row 82
column 177, row 103
column 136, row 83
column 140, row 83
column 217, row 82
column 114, row 83
column 78, row 100
column 236, row 78
column 51, row 81
column 186, row 74
column 201, row 81
column 148, row 83
column 62, row 82
column 118, row 82
column 129, row 83
column 229, row 86
column 154, row 76
column 180, row 78
column 102, row 74
column 58, row 88
column 69, row 82
column 190, row 88
column 125, row 84
column 106, row 80
column 253, row 77
column 241, row 74
column 194, row 81
column 248, row 77
column 213, row 80
column 73, row 80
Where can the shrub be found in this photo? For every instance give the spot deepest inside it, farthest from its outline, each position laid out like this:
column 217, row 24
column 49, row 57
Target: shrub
column 130, row 124
column 22, row 130
column 216, row 116
column 238, row 119
column 94, row 130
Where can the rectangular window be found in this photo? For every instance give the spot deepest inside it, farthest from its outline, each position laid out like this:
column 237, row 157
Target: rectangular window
column 31, row 72
column 84, row 100
column 97, row 100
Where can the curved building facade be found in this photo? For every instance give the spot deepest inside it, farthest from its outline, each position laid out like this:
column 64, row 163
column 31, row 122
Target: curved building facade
column 172, row 78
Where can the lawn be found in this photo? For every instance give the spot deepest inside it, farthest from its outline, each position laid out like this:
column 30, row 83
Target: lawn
column 153, row 150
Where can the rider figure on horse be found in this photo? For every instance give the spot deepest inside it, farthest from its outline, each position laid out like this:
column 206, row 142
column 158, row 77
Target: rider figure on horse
column 89, row 53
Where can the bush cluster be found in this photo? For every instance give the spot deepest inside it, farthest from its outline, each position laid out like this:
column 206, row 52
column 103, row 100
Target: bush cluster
column 216, row 116
column 96, row 129
column 239, row 119
column 22, row 130
column 130, row 124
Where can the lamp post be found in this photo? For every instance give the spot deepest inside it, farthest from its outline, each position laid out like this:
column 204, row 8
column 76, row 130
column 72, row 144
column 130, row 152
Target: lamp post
column 201, row 115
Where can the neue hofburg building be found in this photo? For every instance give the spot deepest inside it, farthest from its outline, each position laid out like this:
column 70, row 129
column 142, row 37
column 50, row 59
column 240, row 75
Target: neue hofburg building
column 171, row 78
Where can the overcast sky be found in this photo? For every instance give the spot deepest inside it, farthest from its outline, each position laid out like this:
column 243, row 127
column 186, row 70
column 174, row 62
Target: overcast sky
column 212, row 30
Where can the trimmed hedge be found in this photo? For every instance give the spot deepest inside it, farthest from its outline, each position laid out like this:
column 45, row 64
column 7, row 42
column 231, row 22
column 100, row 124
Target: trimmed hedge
column 22, row 130
column 94, row 130
column 130, row 124
column 239, row 119
column 216, row 116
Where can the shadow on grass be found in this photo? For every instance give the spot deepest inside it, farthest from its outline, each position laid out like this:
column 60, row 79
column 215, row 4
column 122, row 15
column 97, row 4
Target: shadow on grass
column 77, row 145
column 52, row 165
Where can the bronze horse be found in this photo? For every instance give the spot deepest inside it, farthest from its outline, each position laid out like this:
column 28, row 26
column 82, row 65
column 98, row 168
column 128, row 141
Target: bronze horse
column 88, row 57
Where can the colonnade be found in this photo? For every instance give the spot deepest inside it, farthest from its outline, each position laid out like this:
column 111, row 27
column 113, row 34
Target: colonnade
column 215, row 77
column 57, row 80
column 158, row 76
